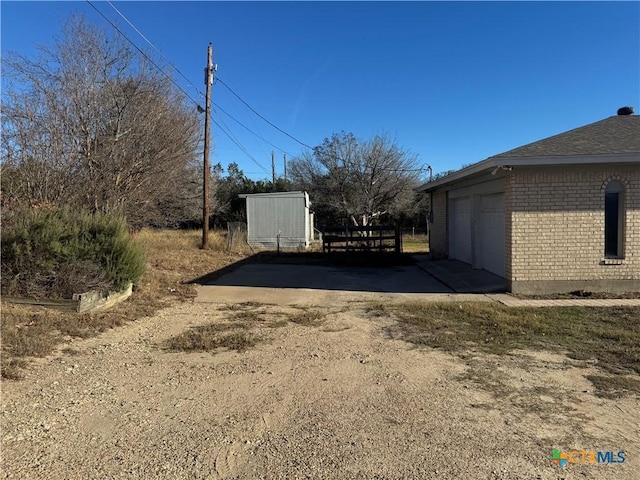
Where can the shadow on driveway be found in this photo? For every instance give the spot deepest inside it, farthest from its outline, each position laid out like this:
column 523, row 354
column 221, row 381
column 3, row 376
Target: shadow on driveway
column 355, row 272
column 461, row 277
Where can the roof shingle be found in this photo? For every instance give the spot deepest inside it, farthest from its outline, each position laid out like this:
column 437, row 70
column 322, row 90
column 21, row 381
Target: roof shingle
column 614, row 135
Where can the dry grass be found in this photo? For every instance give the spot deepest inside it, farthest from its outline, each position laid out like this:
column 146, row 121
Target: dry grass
column 614, row 386
column 581, row 294
column 174, row 258
column 418, row 243
column 308, row 318
column 610, row 336
column 241, row 329
column 209, row 338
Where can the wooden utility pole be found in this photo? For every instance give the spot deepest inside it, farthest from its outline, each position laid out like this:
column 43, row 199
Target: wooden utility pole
column 285, row 167
column 273, row 167
column 208, row 81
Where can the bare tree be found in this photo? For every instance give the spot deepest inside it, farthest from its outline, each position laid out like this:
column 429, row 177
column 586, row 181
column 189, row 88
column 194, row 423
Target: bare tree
column 90, row 123
column 358, row 180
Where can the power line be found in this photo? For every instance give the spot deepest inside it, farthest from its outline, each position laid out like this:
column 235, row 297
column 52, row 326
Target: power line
column 228, row 134
column 155, row 48
column 239, row 145
column 187, row 79
column 233, row 138
column 248, row 129
column 254, row 111
column 142, row 53
column 227, row 131
column 183, row 76
column 224, row 128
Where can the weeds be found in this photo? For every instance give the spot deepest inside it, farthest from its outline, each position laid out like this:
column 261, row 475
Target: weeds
column 239, row 330
column 208, row 338
column 609, row 335
column 612, row 386
column 308, row 318
column 12, row 368
column 173, row 259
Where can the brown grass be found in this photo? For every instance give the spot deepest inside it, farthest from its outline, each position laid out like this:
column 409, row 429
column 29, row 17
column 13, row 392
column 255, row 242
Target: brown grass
column 208, row 338
column 173, row 259
column 610, row 336
column 241, row 329
column 418, row 243
column 308, row 318
column 614, row 386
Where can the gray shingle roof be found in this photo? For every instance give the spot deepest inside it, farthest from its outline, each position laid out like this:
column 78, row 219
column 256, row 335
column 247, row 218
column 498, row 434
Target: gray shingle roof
column 618, row 134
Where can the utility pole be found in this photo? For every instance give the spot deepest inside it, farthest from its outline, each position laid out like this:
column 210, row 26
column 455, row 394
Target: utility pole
column 285, row 167
column 208, row 81
column 273, row 166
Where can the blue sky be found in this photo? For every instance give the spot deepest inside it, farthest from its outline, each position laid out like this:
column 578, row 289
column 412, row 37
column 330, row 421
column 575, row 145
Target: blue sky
column 452, row 82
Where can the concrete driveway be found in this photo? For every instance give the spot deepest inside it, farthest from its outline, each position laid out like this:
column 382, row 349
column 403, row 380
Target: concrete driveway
column 400, row 279
column 301, row 284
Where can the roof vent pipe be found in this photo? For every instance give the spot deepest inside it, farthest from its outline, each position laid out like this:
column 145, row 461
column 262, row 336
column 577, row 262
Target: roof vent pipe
column 625, row 111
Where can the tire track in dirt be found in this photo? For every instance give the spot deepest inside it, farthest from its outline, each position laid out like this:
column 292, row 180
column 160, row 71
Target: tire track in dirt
column 342, row 399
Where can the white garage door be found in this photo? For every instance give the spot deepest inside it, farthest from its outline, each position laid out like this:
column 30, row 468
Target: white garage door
column 460, row 229
column 492, row 233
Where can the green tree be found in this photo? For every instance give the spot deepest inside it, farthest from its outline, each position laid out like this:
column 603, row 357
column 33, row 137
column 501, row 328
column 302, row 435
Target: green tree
column 229, row 207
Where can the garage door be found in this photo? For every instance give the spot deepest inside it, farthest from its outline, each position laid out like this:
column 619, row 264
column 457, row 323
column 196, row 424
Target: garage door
column 460, row 229
column 492, row 233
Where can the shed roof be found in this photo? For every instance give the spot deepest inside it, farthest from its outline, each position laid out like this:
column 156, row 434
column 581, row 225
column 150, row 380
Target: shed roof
column 291, row 194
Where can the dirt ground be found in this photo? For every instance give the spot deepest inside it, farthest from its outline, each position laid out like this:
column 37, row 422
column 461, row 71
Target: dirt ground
column 346, row 398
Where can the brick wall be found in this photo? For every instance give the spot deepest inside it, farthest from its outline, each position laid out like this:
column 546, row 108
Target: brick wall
column 556, row 226
column 438, row 241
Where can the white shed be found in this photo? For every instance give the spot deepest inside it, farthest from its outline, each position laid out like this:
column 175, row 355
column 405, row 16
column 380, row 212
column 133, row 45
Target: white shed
column 279, row 220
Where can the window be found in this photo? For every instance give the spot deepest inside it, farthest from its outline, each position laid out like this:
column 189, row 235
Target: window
column 613, row 220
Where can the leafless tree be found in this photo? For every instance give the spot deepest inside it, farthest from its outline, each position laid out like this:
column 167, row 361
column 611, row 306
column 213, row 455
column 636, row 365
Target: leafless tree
column 358, row 180
column 91, row 123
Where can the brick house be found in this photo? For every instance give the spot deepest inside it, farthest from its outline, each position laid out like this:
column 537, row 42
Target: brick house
column 557, row 215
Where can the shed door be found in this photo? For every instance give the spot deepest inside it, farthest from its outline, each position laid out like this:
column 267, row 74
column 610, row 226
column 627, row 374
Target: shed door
column 460, row 229
column 492, row 233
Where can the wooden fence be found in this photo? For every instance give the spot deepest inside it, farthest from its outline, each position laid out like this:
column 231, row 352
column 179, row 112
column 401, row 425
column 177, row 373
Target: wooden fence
column 379, row 238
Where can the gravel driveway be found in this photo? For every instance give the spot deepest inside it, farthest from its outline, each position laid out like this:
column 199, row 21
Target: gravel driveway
column 344, row 399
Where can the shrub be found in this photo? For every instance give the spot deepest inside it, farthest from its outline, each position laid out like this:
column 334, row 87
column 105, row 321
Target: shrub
column 58, row 251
